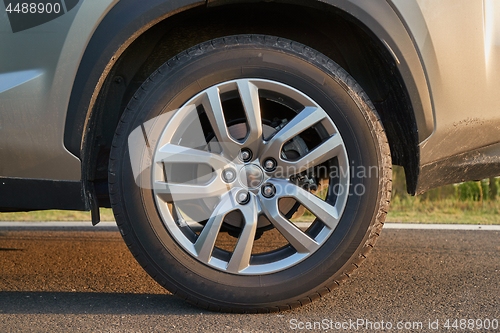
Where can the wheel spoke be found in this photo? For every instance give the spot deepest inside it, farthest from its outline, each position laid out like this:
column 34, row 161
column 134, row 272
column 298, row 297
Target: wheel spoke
column 240, row 258
column 325, row 151
column 171, row 153
column 249, row 94
column 205, row 243
column 307, row 118
column 173, row 192
column 296, row 237
column 213, row 107
column 327, row 213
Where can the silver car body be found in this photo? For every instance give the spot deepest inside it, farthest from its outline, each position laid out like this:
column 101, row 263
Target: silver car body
column 448, row 50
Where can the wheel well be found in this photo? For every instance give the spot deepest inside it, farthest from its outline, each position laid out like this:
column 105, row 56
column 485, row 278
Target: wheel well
column 324, row 28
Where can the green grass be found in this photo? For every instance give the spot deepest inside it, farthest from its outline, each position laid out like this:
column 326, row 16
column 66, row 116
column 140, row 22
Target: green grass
column 419, row 210
column 55, row 215
column 406, row 210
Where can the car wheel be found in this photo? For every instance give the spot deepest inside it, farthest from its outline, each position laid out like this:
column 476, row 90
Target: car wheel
column 250, row 174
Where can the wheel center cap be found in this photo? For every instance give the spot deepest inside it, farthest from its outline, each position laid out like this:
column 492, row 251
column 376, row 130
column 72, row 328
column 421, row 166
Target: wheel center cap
column 251, row 176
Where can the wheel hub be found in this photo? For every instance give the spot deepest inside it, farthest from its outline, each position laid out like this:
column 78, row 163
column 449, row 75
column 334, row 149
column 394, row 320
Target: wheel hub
column 251, row 176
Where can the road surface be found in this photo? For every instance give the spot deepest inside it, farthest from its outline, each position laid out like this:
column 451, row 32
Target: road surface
column 78, row 280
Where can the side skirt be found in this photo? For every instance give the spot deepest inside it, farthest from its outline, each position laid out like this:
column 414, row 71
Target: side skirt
column 474, row 165
column 18, row 194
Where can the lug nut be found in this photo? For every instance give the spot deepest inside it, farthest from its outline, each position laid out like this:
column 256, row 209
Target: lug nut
column 229, row 175
column 268, row 190
column 269, row 164
column 243, row 197
column 245, row 155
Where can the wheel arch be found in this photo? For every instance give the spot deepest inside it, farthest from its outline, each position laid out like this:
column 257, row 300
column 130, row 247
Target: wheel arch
column 366, row 37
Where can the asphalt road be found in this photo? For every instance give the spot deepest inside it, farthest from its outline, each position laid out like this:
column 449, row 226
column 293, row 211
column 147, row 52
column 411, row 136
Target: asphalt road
column 62, row 281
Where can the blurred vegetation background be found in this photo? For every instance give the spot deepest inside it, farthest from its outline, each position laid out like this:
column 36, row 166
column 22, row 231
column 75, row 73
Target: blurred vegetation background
column 466, row 203
column 476, row 202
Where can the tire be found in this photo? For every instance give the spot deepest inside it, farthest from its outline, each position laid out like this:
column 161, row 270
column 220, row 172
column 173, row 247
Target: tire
column 204, row 145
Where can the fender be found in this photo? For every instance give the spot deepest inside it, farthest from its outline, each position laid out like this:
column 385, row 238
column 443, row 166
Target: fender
column 128, row 19
column 383, row 19
column 121, row 26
